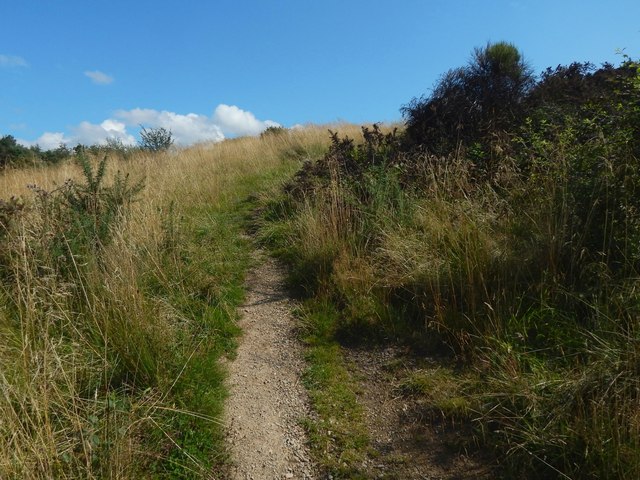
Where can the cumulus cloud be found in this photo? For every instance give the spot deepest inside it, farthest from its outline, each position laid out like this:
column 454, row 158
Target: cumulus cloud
column 12, row 61
column 50, row 140
column 98, row 77
column 235, row 121
column 186, row 129
column 85, row 133
column 99, row 134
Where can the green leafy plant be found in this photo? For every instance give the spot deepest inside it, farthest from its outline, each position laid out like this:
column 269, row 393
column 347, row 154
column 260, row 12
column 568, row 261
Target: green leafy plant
column 78, row 217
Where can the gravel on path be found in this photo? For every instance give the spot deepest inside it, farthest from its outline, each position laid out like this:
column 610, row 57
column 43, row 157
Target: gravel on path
column 267, row 399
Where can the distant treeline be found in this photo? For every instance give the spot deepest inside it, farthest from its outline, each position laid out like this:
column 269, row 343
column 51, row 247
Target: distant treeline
column 13, row 154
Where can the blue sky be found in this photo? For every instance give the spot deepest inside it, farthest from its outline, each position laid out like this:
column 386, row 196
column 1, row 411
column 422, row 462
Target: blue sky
column 82, row 71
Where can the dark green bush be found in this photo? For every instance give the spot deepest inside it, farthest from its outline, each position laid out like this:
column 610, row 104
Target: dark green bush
column 15, row 155
column 11, row 152
column 155, row 139
column 471, row 105
column 349, row 162
column 273, row 131
column 582, row 134
column 528, row 272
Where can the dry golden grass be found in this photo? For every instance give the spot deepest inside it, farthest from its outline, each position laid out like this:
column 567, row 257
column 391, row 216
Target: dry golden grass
column 60, row 337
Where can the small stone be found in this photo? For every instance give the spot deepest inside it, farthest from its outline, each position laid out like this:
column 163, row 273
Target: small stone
column 289, row 475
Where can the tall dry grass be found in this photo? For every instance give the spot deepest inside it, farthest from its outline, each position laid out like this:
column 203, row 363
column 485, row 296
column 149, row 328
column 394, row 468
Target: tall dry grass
column 89, row 356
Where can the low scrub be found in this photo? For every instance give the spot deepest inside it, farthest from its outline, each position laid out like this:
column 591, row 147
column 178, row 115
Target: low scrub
column 516, row 253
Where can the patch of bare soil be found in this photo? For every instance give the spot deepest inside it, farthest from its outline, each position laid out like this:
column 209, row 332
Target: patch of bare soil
column 409, row 441
column 267, row 399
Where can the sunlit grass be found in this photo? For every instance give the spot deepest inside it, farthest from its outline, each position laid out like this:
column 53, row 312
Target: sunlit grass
column 110, row 367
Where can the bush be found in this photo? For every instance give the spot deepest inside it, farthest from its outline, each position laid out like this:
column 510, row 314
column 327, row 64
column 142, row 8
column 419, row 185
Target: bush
column 471, row 104
column 11, row 152
column 529, row 275
column 155, row 139
column 273, row 131
column 347, row 162
column 78, row 218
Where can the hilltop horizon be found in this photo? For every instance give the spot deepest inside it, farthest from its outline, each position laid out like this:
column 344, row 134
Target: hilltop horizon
column 216, row 70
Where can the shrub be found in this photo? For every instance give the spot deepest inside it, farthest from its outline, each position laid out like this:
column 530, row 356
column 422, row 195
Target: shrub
column 11, row 152
column 529, row 276
column 155, row 139
column 273, row 131
column 471, row 104
column 78, row 218
column 348, row 162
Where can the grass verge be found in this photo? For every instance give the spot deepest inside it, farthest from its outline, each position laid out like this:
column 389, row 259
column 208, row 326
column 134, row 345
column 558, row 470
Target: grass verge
column 338, row 435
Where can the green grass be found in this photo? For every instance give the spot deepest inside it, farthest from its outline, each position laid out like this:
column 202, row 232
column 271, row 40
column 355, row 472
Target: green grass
column 338, row 435
column 213, row 259
column 210, row 259
column 337, row 432
column 114, row 314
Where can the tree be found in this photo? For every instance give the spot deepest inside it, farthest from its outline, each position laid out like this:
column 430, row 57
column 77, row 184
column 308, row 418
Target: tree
column 11, row 151
column 473, row 103
column 155, row 139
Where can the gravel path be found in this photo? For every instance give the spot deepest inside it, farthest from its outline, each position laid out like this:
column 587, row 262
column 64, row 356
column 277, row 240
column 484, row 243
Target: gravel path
column 266, row 398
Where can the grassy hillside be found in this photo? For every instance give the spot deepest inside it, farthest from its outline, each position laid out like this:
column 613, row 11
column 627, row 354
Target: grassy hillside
column 511, row 252
column 498, row 231
column 118, row 296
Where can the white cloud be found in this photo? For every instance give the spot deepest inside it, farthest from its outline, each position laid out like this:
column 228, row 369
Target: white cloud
column 92, row 134
column 99, row 78
column 186, row 129
column 48, row 141
column 12, row 61
column 235, row 121
column 85, row 133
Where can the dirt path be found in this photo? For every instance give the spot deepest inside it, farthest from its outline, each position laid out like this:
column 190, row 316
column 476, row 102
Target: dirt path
column 266, row 398
column 410, row 444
